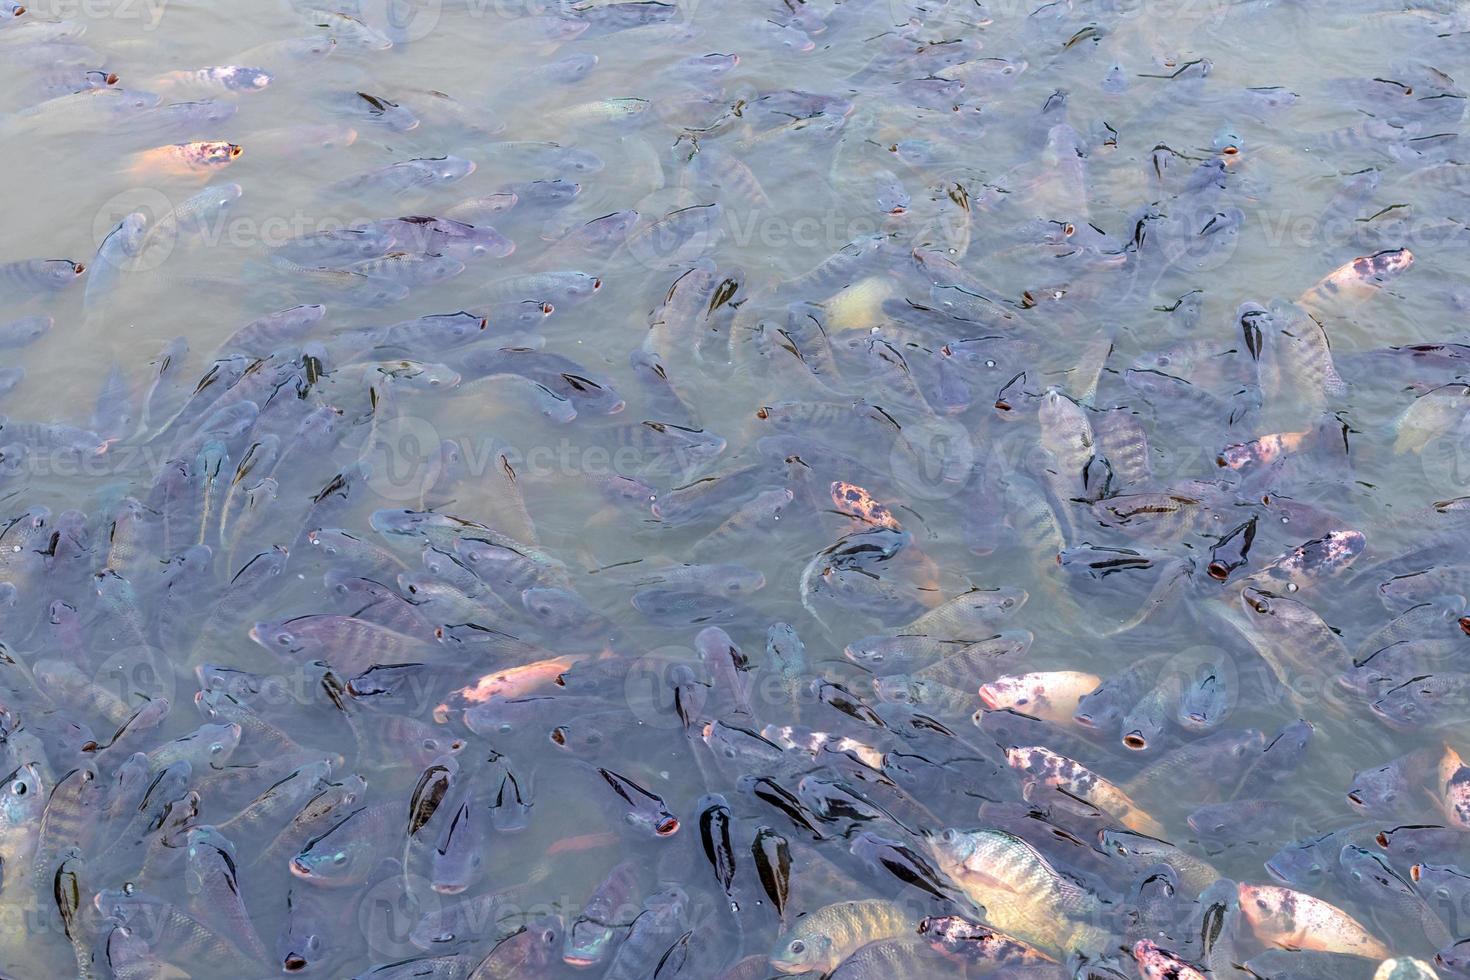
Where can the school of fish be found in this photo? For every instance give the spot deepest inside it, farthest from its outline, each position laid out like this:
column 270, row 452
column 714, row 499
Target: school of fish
column 549, row 577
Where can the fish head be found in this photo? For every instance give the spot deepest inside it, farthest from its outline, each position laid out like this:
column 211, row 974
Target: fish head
column 1302, row 865
column 733, row 579
column 1455, row 958
column 587, row 943
column 1401, row 708
column 953, row 848
column 556, row 607
column 1361, row 866
column 1009, row 691
column 21, row 800
column 1442, row 886
column 876, row 651
column 302, row 945
column 1128, row 843
column 1376, row 789
column 1265, row 904
column 805, row 951
column 898, row 689
column 282, row 640
column 335, row 860
column 219, row 741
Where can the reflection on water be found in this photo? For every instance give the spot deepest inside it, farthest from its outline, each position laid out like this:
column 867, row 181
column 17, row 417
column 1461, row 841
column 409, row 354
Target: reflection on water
column 651, row 489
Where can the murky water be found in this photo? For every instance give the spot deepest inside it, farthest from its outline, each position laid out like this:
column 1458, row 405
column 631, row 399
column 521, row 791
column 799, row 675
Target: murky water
column 619, row 483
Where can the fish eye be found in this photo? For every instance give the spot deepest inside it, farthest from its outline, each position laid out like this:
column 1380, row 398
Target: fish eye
column 339, row 859
column 285, row 639
column 1007, row 603
column 797, row 947
column 18, row 788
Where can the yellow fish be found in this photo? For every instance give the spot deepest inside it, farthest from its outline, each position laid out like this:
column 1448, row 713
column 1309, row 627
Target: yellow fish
column 1021, row 892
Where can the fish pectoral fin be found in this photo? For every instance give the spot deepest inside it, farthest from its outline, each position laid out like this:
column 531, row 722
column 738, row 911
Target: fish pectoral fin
column 984, row 880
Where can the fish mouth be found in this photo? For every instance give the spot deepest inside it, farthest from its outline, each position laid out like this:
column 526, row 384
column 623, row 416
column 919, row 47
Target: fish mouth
column 989, row 699
column 578, row 962
column 444, row 889
column 667, row 827
column 1136, row 741
column 292, row 963
column 1275, row 872
column 300, row 870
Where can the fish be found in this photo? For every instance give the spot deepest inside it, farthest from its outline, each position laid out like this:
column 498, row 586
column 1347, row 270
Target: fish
column 38, row 277
column 1048, row 695
column 1047, row 768
column 218, row 78
column 645, row 809
column 592, row 935
column 201, row 158
column 1294, row 920
column 1359, row 279
column 1155, row 963
column 1022, row 893
column 827, row 936
column 1453, row 788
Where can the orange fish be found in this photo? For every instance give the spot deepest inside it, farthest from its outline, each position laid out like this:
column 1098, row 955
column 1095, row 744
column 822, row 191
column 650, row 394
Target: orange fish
column 1295, row 920
column 584, row 842
column 1453, row 790
column 1359, row 279
column 198, row 159
column 1050, row 695
column 859, row 504
column 1266, row 449
column 514, row 682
